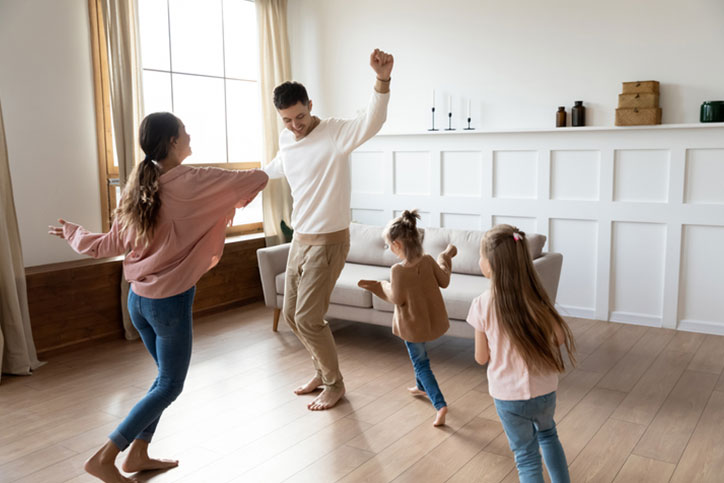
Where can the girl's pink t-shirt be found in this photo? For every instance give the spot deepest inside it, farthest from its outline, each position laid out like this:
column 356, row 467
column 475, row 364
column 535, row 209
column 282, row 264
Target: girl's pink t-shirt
column 508, row 376
column 196, row 206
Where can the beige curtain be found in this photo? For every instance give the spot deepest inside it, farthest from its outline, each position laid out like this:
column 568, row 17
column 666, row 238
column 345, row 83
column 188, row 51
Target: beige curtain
column 17, row 349
column 275, row 68
column 120, row 18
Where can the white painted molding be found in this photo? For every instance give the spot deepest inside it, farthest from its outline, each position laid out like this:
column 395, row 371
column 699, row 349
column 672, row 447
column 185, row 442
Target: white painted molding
column 701, row 326
column 561, row 130
column 580, row 312
column 664, row 219
column 635, row 319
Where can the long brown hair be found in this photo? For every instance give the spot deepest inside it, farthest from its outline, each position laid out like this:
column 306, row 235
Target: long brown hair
column 141, row 201
column 404, row 229
column 524, row 310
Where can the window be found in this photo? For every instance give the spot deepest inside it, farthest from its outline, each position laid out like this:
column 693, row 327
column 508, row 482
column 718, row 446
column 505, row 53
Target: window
column 200, row 61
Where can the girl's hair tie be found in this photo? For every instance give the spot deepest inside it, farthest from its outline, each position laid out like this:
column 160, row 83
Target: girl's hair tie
column 516, row 237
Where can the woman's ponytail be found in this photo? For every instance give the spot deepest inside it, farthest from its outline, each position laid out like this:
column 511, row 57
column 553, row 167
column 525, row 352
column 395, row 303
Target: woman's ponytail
column 141, row 202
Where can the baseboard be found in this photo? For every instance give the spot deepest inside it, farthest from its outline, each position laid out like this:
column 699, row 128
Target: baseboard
column 701, row 326
column 224, row 307
column 636, row 319
column 580, row 312
column 79, row 344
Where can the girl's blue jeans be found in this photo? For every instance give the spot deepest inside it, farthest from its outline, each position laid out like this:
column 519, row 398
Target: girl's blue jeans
column 165, row 327
column 423, row 374
column 529, row 425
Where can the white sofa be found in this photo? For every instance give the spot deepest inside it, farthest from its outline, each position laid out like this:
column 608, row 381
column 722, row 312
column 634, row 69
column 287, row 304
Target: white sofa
column 369, row 259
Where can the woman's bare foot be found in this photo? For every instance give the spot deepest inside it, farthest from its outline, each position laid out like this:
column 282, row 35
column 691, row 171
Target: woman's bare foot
column 102, row 465
column 132, row 465
column 311, row 386
column 440, row 417
column 416, row 392
column 327, row 399
column 138, row 459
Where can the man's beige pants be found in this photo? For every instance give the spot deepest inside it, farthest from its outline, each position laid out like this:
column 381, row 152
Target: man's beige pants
column 312, row 271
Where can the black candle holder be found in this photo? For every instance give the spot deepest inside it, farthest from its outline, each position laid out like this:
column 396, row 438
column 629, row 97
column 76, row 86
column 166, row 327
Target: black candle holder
column 449, row 122
column 433, row 121
column 469, row 128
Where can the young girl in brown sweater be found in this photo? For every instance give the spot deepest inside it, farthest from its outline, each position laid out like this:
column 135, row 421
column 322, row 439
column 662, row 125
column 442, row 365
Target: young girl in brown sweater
column 414, row 288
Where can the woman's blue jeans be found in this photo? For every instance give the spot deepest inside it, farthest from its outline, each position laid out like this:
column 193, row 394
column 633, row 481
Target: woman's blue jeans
column 529, row 424
column 423, row 374
column 165, row 327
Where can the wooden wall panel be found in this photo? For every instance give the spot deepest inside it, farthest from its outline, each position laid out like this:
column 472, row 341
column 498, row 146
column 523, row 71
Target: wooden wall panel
column 75, row 303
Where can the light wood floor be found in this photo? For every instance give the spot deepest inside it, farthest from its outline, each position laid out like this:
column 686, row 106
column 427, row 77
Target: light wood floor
column 643, row 405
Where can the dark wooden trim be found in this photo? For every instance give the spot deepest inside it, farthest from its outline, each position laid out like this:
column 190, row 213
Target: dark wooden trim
column 78, row 303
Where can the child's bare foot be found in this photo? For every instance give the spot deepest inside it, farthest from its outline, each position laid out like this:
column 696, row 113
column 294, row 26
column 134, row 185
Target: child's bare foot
column 440, row 417
column 327, row 399
column 416, row 392
column 311, row 386
column 102, row 466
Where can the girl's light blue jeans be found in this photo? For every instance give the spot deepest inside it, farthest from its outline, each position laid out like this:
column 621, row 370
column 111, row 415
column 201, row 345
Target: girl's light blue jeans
column 423, row 374
column 529, row 425
column 165, row 328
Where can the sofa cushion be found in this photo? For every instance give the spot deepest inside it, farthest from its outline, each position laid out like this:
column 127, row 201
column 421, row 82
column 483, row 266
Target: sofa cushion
column 535, row 244
column 457, row 296
column 468, row 245
column 346, row 291
column 466, row 241
column 367, row 246
column 279, row 282
column 460, row 293
column 382, row 305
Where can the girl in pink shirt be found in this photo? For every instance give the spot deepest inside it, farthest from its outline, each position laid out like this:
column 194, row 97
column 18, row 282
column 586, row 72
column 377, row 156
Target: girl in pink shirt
column 518, row 333
column 171, row 224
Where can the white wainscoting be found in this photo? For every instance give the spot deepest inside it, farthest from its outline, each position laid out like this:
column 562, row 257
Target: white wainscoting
column 638, row 213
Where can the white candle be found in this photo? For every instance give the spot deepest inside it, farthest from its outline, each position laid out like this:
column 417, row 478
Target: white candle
column 470, row 104
column 449, row 103
column 433, row 98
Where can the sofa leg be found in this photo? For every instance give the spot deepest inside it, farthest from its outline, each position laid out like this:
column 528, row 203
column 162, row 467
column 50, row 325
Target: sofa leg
column 277, row 312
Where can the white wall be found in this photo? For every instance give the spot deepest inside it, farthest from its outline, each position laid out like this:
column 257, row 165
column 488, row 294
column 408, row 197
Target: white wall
column 46, row 89
column 518, row 60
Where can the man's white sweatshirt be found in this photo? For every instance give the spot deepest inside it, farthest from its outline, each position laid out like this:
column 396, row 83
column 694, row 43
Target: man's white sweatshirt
column 317, row 167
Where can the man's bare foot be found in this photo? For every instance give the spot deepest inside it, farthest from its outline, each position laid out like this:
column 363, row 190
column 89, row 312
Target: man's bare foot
column 311, row 386
column 416, row 392
column 327, row 399
column 102, row 466
column 440, row 417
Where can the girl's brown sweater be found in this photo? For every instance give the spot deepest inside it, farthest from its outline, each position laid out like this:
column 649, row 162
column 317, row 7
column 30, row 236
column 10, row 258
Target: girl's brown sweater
column 420, row 314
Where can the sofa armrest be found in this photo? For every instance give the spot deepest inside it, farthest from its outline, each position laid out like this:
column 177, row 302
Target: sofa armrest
column 272, row 262
column 548, row 267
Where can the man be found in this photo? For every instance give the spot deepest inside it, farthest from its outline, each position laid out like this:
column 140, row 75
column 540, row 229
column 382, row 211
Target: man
column 314, row 157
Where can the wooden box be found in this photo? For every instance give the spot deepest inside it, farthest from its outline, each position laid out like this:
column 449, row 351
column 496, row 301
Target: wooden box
column 639, row 99
column 640, row 86
column 638, row 116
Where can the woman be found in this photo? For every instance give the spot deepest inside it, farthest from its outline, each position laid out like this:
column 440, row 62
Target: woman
column 171, row 224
